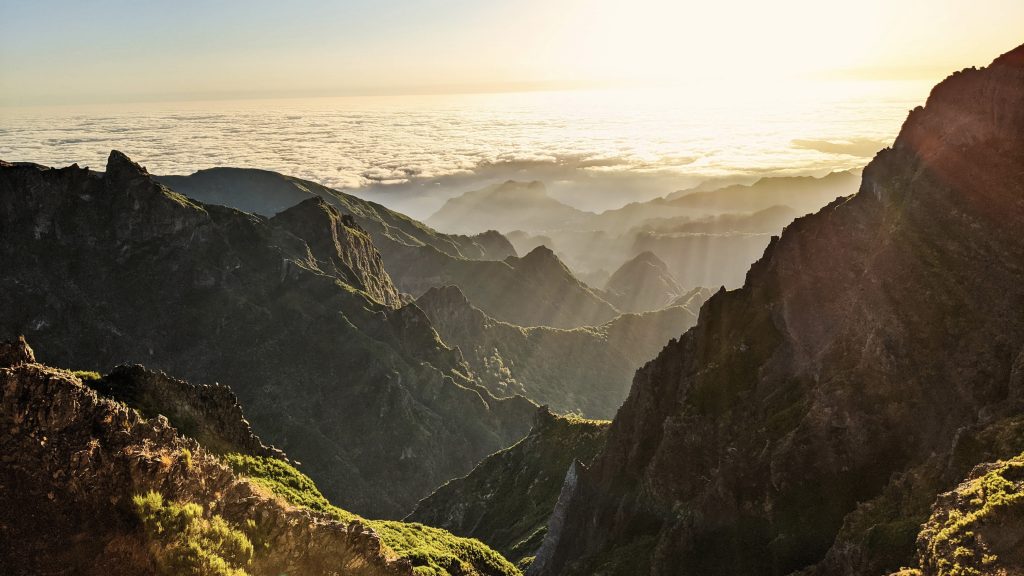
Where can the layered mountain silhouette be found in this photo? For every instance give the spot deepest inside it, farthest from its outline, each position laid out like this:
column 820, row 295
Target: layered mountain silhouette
column 506, row 206
column 585, row 370
column 533, row 290
column 642, row 284
column 871, row 358
column 94, row 485
column 293, row 312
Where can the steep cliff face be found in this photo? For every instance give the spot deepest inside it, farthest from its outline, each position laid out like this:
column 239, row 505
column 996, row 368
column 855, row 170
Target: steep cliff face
column 642, row 284
column 507, row 499
column 864, row 339
column 101, row 270
column 583, row 369
column 339, row 247
column 72, row 463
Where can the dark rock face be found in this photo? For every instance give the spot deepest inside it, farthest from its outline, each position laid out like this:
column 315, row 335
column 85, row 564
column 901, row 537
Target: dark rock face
column 583, row 369
column 862, row 342
column 101, row 270
column 642, row 284
column 339, row 247
column 506, row 500
column 16, row 352
column 210, row 414
column 73, row 461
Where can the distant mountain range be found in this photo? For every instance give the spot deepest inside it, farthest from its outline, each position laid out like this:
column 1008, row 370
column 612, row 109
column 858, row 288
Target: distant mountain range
column 708, row 236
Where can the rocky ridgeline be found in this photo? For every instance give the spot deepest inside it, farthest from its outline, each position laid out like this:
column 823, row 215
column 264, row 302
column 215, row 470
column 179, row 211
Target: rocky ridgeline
column 338, row 246
column 809, row 420
column 73, row 461
column 208, row 413
column 102, row 269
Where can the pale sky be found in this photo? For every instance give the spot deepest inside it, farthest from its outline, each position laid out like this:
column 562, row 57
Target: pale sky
column 86, row 51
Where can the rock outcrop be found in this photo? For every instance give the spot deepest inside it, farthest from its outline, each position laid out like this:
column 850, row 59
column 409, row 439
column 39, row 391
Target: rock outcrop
column 72, row 463
column 642, row 284
column 210, row 414
column 863, row 341
column 114, row 268
column 339, row 247
column 507, row 499
column 586, row 370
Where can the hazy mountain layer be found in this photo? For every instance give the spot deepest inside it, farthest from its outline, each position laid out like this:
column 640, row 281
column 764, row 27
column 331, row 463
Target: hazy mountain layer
column 507, row 206
column 107, row 269
column 862, row 345
column 507, row 499
column 642, row 284
column 585, row 370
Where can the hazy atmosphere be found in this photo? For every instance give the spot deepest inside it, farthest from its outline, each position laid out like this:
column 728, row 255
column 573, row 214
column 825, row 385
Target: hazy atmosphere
column 496, row 288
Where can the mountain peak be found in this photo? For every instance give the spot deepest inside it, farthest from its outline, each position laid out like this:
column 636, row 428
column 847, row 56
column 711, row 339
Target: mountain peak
column 121, row 167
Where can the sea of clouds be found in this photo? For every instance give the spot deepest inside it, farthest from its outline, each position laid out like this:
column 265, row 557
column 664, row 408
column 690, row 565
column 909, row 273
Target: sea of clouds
column 594, row 150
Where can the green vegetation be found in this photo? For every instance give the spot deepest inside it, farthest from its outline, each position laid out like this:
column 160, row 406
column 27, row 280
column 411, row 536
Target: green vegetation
column 183, row 541
column 87, row 376
column 432, row 551
column 285, row 481
column 953, row 541
column 436, row 552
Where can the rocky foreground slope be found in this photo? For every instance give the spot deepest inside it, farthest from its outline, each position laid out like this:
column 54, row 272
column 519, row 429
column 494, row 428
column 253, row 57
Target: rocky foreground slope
column 810, row 418
column 89, row 485
column 586, row 370
column 113, row 268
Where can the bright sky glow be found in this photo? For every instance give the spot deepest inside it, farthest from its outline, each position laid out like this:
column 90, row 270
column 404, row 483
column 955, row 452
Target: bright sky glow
column 78, row 51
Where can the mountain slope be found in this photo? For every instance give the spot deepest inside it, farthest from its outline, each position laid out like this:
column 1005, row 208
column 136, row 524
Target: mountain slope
column 585, row 369
column 146, row 499
column 507, row 499
column 642, row 284
column 114, row 268
column 867, row 337
column 506, row 206
column 267, row 193
column 415, row 256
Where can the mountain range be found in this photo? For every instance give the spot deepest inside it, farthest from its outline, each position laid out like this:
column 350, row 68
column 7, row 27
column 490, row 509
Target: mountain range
column 104, row 269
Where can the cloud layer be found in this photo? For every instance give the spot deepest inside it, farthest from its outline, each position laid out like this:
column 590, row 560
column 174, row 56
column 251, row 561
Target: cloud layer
column 594, row 152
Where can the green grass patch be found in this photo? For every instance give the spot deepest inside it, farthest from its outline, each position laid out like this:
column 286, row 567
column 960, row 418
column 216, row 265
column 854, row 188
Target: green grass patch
column 432, row 551
column 183, row 541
